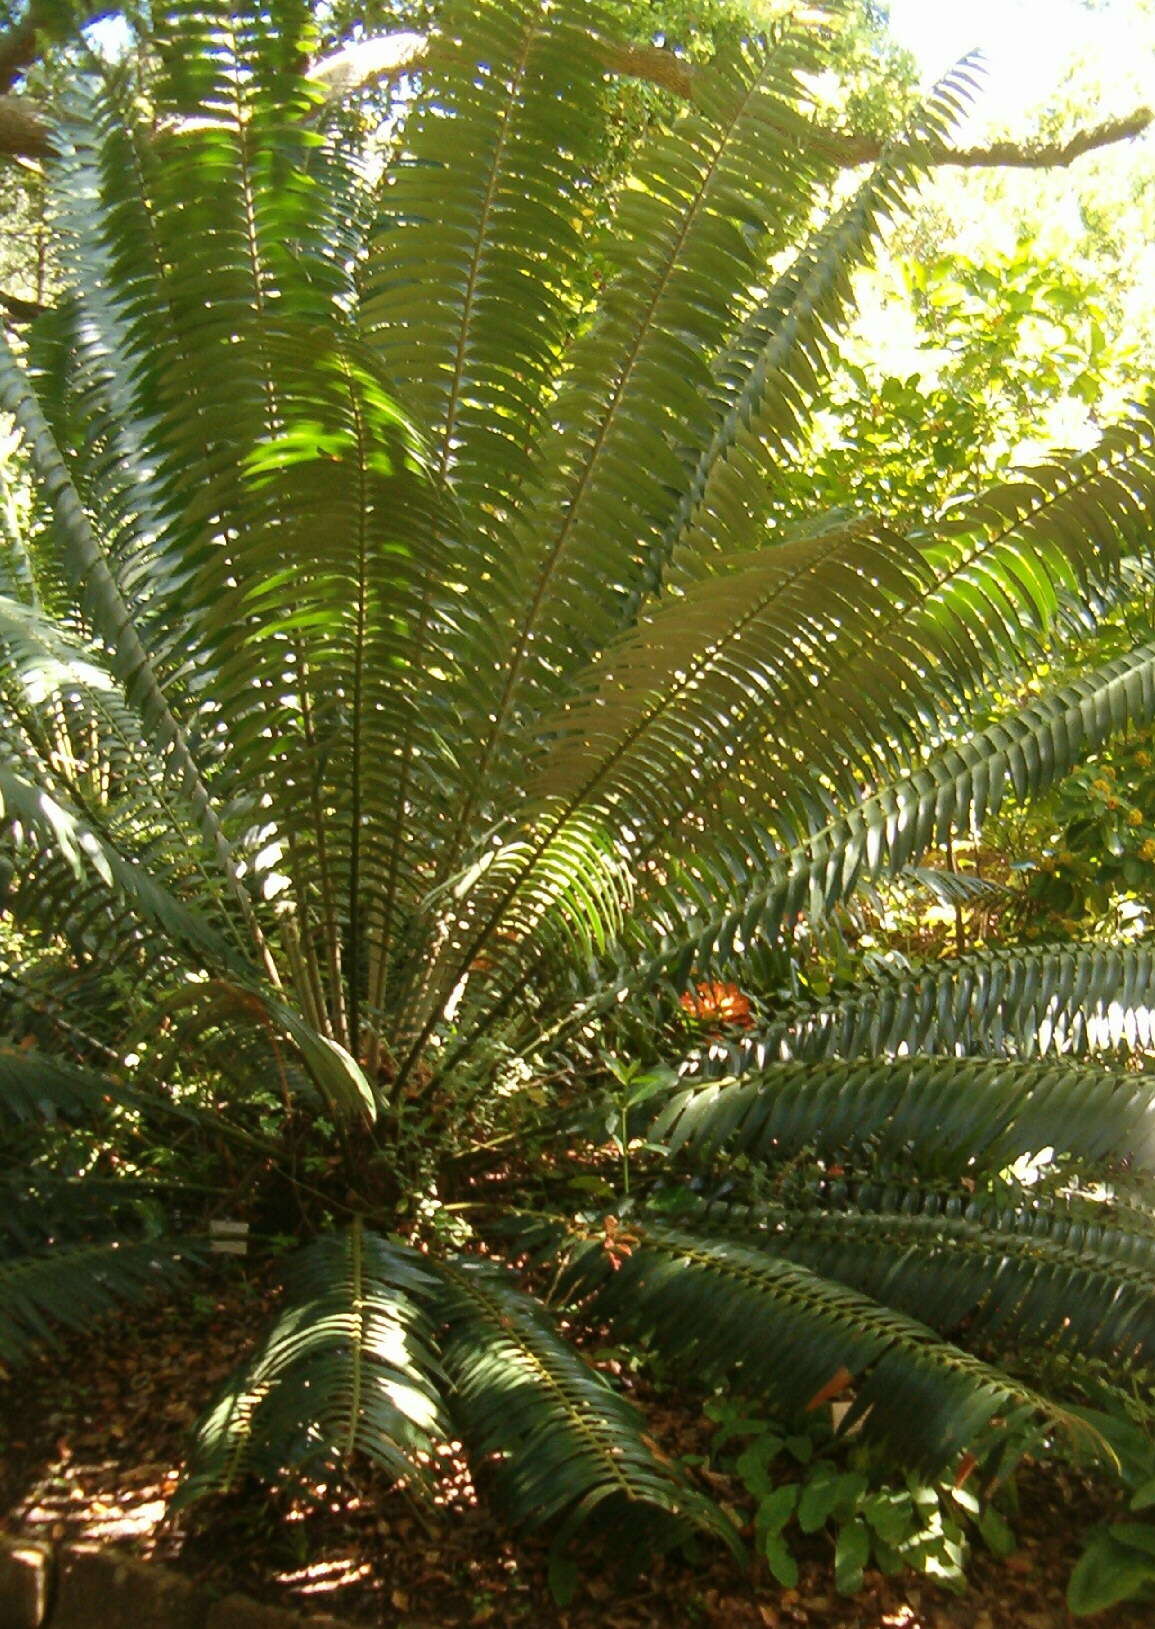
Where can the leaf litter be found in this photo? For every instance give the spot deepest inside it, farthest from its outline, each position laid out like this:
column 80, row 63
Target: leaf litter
column 92, row 1439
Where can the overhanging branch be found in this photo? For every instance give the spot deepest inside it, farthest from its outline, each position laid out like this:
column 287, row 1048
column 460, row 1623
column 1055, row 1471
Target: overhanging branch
column 44, row 21
column 853, row 150
column 381, row 60
column 16, row 310
column 24, row 131
column 360, row 66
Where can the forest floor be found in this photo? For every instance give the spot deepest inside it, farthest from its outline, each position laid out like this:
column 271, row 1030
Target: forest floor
column 91, row 1440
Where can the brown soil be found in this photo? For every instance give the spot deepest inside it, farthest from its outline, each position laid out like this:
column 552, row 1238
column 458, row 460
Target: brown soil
column 91, row 1441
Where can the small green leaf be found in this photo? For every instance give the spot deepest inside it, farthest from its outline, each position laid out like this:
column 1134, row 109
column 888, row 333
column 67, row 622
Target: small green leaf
column 753, row 1465
column 802, row 1447
column 1144, row 1495
column 781, row 1563
column 563, row 1577
column 849, row 1488
column 997, row 1535
column 888, row 1558
column 891, row 1515
column 851, row 1553
column 1106, row 1573
column 1135, row 1535
column 777, row 1508
column 818, row 1500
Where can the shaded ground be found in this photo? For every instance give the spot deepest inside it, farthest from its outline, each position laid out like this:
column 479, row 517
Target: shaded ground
column 91, row 1439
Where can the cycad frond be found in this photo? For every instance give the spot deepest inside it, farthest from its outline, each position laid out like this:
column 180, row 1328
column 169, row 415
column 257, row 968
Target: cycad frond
column 99, row 869
column 71, row 1285
column 953, row 788
column 560, row 1440
column 468, row 303
column 347, row 1368
column 787, row 635
column 711, row 201
column 731, row 1312
column 767, row 376
column 111, row 616
column 1022, row 1002
column 942, row 1113
column 1043, row 1273
column 38, row 1087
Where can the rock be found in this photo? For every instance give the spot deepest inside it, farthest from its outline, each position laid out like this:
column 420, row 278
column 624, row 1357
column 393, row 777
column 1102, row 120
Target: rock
column 25, row 1578
column 101, row 1589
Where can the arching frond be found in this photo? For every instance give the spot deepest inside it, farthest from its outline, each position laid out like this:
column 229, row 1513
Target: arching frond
column 34, row 1086
column 97, row 867
column 347, row 1368
column 955, row 787
column 1020, row 1002
column 469, row 302
column 1043, row 1273
column 943, row 1113
column 560, row 1441
column 767, row 376
column 708, row 205
column 70, row 1286
column 731, row 1312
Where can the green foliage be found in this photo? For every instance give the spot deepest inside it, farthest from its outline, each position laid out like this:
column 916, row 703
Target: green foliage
column 73, row 1286
column 1118, row 1564
column 994, row 348
column 807, row 1482
column 410, row 683
column 1100, row 862
column 1027, row 1002
column 345, row 1368
column 560, row 1440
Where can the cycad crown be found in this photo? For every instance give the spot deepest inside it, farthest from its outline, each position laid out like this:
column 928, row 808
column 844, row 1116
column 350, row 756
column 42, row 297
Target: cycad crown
column 402, row 675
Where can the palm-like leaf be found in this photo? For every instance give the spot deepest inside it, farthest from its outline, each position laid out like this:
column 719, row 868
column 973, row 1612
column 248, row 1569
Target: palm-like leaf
column 346, row 1367
column 72, row 1285
column 1063, row 998
column 1033, row 1275
column 428, row 678
column 561, row 1440
column 944, row 1114
column 732, row 1312
column 832, row 848
column 37, row 1087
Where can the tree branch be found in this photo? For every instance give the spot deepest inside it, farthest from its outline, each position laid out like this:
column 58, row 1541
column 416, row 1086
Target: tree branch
column 854, row 150
column 23, row 43
column 15, row 310
column 24, row 129
column 364, row 64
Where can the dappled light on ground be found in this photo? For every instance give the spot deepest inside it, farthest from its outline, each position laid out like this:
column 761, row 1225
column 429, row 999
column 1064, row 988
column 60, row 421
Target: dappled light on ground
column 99, row 1501
column 91, row 1440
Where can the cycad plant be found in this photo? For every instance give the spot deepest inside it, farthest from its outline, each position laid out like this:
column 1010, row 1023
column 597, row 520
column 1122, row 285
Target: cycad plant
column 405, row 702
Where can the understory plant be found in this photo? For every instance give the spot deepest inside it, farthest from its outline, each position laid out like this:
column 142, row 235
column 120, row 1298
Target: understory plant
column 405, row 704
